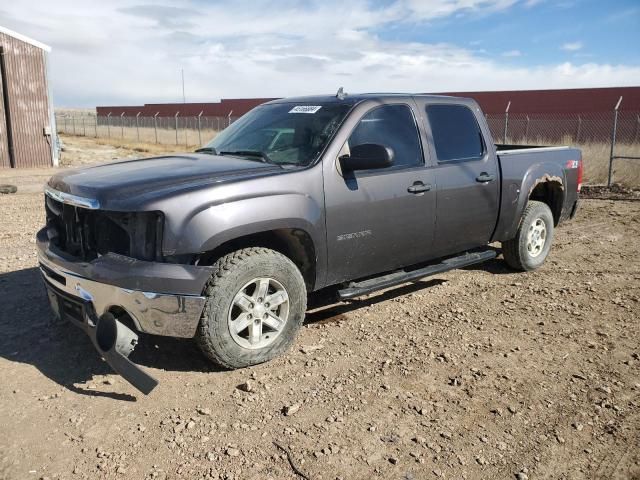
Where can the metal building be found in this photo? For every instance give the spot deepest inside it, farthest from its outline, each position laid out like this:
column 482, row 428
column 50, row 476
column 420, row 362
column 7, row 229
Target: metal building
column 27, row 121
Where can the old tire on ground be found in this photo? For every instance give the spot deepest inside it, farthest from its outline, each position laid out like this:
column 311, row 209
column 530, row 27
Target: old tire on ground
column 256, row 301
column 531, row 245
column 8, row 189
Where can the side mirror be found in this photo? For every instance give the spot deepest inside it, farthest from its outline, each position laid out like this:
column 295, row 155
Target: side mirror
column 367, row 156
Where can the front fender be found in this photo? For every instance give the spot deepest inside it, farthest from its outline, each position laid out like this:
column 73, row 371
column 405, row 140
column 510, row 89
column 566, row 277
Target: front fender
column 219, row 223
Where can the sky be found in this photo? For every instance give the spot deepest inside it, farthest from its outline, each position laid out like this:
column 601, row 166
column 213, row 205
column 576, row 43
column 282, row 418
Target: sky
column 127, row 52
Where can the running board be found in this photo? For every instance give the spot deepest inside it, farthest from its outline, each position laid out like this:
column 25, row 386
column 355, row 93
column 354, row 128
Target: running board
column 356, row 289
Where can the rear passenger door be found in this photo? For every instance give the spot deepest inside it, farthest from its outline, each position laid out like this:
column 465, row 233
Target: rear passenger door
column 467, row 177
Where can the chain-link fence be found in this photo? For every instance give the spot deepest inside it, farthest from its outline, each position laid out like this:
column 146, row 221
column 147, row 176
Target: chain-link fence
column 609, row 141
column 176, row 130
column 603, row 137
column 557, row 128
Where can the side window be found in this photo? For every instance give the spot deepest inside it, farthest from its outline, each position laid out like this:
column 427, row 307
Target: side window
column 392, row 126
column 456, row 133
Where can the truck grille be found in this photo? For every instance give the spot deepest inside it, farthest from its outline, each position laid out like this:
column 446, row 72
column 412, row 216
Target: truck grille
column 87, row 234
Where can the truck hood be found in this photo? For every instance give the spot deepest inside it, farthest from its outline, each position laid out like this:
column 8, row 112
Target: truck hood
column 129, row 184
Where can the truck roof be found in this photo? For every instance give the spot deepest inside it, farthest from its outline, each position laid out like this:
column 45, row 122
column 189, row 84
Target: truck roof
column 350, row 98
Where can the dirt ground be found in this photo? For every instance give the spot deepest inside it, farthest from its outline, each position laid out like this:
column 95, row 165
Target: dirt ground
column 477, row 373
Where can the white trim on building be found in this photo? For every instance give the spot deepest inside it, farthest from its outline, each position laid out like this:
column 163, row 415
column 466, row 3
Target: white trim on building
column 25, row 39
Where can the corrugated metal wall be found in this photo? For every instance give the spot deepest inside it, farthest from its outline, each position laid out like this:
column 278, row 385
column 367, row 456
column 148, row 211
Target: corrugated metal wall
column 4, row 136
column 28, row 102
column 569, row 101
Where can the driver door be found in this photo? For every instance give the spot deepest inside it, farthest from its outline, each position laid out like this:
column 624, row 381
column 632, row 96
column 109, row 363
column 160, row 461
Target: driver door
column 380, row 219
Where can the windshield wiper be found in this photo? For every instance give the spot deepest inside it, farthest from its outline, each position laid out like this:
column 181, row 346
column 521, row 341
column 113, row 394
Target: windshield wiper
column 210, row 150
column 249, row 153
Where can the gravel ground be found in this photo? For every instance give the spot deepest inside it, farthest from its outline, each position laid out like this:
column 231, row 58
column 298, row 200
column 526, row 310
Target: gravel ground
column 476, row 373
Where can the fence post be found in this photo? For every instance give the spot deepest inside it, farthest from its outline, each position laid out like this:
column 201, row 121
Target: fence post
column 109, row 125
column 526, row 131
column 613, row 140
column 95, row 126
column 155, row 125
column 122, row 125
column 635, row 137
column 137, row 126
column 199, row 133
column 176, row 117
column 73, row 123
column 579, row 128
column 506, row 122
column 65, row 124
column 229, row 118
column 84, row 130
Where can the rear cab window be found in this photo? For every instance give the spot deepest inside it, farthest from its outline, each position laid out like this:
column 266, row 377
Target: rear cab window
column 456, row 133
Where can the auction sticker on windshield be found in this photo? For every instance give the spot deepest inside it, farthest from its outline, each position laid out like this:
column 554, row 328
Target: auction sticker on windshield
column 305, row 109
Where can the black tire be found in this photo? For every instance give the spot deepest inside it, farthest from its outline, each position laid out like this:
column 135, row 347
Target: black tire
column 8, row 189
column 516, row 252
column 231, row 272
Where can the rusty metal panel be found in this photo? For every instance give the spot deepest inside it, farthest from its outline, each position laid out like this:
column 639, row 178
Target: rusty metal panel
column 27, row 101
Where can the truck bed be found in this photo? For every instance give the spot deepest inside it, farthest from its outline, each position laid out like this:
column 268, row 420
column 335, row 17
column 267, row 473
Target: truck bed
column 534, row 164
column 504, row 149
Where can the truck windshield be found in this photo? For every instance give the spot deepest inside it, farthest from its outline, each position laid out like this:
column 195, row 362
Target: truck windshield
column 281, row 133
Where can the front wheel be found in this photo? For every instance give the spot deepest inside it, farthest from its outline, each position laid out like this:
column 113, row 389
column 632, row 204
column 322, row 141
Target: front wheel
column 256, row 301
column 531, row 245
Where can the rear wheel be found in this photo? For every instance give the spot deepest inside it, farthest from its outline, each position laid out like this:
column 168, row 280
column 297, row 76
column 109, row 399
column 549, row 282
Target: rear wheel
column 531, row 245
column 256, row 301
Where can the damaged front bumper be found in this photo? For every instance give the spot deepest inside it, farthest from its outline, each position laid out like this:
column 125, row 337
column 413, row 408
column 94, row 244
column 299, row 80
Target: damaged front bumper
column 160, row 298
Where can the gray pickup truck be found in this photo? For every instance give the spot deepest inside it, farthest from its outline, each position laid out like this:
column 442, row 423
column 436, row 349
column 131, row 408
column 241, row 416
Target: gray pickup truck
column 360, row 192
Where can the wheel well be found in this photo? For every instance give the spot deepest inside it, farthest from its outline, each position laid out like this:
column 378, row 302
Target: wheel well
column 296, row 244
column 552, row 194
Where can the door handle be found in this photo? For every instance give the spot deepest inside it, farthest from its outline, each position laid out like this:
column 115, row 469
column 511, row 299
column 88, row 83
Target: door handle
column 484, row 177
column 419, row 187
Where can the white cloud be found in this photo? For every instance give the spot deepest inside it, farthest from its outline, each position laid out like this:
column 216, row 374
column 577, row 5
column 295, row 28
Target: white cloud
column 512, row 53
column 572, row 46
column 120, row 52
column 429, row 9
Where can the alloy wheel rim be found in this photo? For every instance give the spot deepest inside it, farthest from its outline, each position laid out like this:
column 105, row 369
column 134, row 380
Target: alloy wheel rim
column 258, row 313
column 536, row 237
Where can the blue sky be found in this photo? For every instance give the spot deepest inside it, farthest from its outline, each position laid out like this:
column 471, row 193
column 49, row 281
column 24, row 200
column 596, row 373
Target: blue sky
column 130, row 52
column 596, row 31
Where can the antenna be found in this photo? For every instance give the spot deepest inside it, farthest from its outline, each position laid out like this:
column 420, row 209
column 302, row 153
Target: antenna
column 340, row 93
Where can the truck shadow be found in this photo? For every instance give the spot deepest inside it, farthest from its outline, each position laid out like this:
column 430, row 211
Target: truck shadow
column 496, row 266
column 63, row 353
column 325, row 307
column 29, row 334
